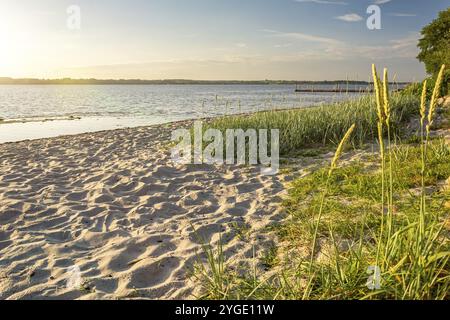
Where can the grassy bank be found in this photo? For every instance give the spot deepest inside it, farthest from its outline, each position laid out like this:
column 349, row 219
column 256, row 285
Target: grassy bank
column 324, row 125
column 374, row 227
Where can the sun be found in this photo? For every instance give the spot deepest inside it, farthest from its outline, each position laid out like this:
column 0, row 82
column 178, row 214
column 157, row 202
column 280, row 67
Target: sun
column 16, row 41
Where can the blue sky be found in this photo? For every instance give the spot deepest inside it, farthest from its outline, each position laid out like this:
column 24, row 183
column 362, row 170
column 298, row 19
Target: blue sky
column 212, row 39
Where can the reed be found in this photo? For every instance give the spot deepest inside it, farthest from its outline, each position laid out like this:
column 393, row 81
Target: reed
column 387, row 113
column 381, row 99
column 434, row 98
column 333, row 166
column 430, row 118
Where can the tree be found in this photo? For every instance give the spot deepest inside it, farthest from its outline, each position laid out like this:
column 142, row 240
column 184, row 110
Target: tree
column 435, row 46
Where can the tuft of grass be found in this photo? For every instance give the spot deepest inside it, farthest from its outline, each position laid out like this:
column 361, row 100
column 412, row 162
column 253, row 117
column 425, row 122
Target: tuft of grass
column 270, row 258
column 241, row 229
column 215, row 279
column 333, row 166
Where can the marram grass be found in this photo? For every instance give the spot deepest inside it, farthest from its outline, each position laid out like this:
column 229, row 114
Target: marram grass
column 324, row 125
column 423, row 102
column 435, row 97
column 340, row 149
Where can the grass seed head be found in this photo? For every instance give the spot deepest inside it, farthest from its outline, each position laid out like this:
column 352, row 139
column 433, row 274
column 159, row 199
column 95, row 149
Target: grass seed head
column 435, row 96
column 387, row 106
column 378, row 94
column 340, row 148
column 423, row 102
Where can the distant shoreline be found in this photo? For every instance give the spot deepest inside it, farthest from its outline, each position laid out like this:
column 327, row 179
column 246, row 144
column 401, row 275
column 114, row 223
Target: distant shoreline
column 68, row 81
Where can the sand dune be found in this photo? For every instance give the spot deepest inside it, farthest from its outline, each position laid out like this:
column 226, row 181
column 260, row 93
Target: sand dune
column 113, row 204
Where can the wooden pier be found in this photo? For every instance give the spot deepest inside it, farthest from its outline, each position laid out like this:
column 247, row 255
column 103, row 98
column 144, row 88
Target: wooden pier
column 339, row 89
column 334, row 90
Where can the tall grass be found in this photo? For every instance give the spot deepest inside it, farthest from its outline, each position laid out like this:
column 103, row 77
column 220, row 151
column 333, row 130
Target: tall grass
column 333, row 166
column 421, row 234
column 214, row 279
column 407, row 240
column 322, row 125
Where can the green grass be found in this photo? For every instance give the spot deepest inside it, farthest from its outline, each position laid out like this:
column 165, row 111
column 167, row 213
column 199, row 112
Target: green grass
column 322, row 125
column 270, row 258
column 352, row 219
column 389, row 211
column 362, row 182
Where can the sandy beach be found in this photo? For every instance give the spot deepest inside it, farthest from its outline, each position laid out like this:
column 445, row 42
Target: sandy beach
column 112, row 204
column 187, row 153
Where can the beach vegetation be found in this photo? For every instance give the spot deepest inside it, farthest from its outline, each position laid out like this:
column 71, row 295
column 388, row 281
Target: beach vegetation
column 322, row 126
column 370, row 227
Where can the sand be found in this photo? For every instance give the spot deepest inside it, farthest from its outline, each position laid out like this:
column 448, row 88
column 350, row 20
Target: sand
column 113, row 205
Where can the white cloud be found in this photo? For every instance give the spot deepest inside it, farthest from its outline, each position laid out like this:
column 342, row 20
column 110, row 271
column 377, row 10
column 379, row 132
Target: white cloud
column 331, row 60
column 408, row 43
column 405, row 48
column 324, row 2
column 382, row 1
column 333, row 49
column 351, row 17
column 403, row 14
column 241, row 45
column 283, row 45
column 303, row 36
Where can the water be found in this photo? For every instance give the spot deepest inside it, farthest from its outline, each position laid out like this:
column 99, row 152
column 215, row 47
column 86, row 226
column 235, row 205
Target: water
column 27, row 109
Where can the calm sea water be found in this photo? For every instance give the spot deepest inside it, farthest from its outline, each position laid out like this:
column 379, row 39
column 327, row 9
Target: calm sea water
column 102, row 107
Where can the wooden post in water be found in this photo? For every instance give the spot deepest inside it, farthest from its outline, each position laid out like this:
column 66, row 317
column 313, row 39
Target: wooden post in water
column 347, row 84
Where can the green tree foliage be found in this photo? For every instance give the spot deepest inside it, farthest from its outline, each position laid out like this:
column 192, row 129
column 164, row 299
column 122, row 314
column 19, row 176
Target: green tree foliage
column 435, row 47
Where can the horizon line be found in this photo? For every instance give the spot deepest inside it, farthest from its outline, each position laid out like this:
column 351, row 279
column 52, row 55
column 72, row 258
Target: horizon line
column 66, row 80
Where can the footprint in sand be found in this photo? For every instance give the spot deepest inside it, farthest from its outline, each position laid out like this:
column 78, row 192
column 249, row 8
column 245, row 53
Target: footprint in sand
column 150, row 275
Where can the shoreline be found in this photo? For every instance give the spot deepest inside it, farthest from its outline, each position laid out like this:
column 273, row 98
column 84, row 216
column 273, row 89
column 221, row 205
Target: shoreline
column 175, row 122
column 151, row 126
column 121, row 124
column 142, row 123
